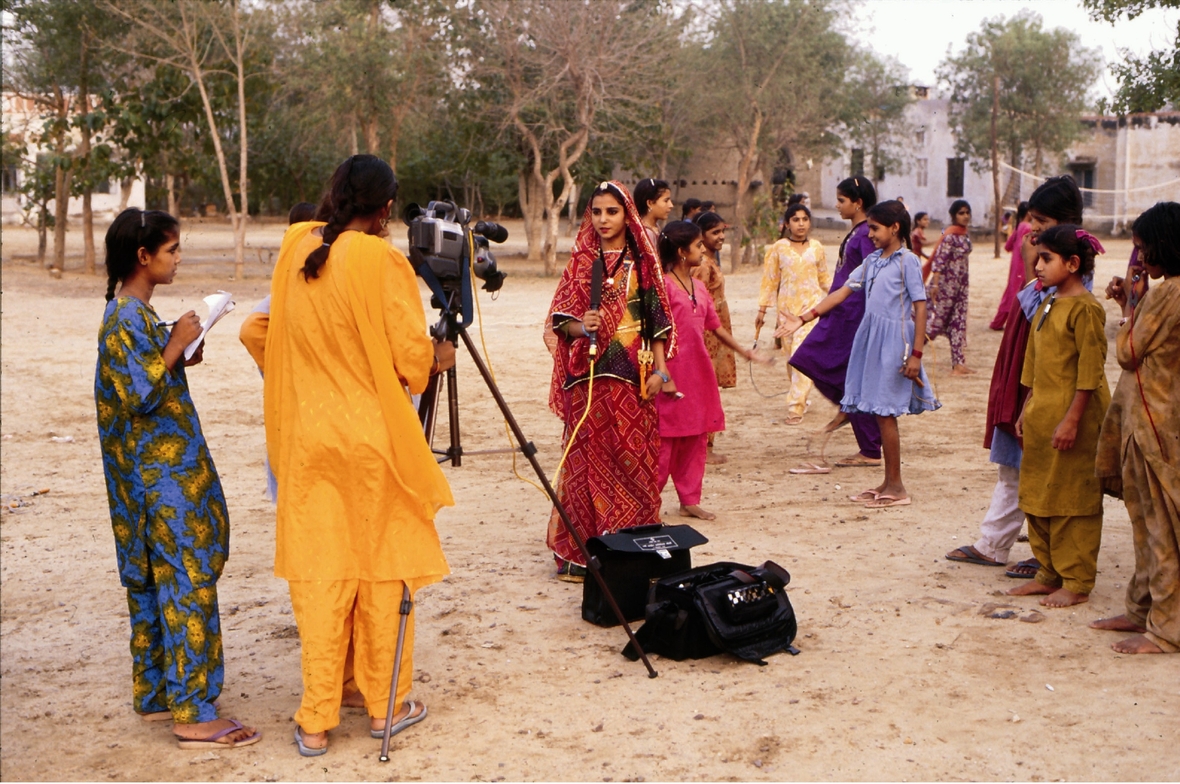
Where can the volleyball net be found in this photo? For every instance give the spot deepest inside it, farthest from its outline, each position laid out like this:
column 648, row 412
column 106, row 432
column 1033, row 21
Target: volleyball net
column 1107, row 209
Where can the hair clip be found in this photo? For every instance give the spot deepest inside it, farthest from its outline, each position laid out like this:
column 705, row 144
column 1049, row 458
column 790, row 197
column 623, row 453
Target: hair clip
column 1082, row 234
column 142, row 219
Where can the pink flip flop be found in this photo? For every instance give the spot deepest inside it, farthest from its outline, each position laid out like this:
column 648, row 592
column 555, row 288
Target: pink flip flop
column 811, row 468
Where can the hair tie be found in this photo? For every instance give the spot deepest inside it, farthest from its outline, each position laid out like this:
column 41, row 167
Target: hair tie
column 1082, row 234
column 326, row 245
column 142, row 219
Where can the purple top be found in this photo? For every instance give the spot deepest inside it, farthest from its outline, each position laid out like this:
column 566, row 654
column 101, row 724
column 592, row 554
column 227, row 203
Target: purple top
column 699, row 411
column 823, row 356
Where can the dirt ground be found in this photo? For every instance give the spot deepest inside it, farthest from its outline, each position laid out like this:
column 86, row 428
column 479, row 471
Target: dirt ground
column 903, row 674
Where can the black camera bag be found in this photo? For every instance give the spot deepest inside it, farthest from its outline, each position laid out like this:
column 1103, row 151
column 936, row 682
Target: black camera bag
column 720, row 607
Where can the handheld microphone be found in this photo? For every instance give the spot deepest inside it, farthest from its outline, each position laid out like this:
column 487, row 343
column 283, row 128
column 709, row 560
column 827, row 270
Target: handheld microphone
column 596, row 274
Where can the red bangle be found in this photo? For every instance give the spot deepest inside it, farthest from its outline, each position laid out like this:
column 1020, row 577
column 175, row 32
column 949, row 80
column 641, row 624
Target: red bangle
column 916, row 353
column 814, row 314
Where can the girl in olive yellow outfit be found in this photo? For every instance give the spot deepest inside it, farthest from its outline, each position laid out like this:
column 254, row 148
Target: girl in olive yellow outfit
column 1064, row 367
column 167, row 508
column 358, row 487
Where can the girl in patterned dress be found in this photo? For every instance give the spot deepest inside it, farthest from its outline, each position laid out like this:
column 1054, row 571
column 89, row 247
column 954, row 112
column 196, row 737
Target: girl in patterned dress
column 167, row 508
column 948, row 286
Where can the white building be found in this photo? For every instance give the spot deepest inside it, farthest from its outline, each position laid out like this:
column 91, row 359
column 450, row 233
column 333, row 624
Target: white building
column 22, row 118
column 1123, row 164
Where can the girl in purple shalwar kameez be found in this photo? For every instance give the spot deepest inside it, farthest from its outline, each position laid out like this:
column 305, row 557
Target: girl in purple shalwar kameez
column 823, row 356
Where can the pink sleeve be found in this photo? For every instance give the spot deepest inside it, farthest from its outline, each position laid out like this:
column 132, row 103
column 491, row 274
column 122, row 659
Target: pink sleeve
column 712, row 320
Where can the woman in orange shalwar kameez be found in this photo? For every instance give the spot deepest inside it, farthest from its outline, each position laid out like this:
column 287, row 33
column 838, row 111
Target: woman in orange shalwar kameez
column 358, row 487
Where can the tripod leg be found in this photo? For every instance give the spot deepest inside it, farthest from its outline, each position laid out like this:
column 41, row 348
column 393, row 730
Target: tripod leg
column 406, row 608
column 428, row 407
column 453, row 414
column 530, row 452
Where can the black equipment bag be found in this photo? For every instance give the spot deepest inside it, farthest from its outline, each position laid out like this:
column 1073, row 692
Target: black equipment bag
column 720, row 607
column 630, row 560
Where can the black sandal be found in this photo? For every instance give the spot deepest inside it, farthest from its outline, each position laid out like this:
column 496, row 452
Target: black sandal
column 1024, row 569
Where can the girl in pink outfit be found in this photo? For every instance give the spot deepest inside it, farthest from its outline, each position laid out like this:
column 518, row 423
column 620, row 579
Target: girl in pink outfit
column 1016, row 281
column 690, row 403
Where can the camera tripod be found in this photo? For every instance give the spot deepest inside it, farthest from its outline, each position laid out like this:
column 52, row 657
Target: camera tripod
column 450, row 329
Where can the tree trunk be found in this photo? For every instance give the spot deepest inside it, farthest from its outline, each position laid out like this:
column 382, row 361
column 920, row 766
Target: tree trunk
column 353, row 142
column 88, row 254
column 533, row 211
column 170, row 186
column 572, row 228
column 243, row 172
column 998, row 201
column 744, row 171
column 372, row 137
column 42, row 233
column 554, row 213
column 125, row 193
column 61, row 207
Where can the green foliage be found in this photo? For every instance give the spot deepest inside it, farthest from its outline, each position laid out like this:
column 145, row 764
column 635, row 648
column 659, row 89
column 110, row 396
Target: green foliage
column 1149, row 83
column 876, row 95
column 1044, row 77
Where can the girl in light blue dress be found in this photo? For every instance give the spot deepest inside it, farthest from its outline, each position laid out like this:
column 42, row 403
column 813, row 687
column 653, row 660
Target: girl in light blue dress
column 885, row 376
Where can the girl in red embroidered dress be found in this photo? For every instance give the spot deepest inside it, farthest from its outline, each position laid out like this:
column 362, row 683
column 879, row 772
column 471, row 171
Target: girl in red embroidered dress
column 609, row 479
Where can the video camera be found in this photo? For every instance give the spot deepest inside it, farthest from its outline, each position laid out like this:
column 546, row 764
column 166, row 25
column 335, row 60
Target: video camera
column 441, row 243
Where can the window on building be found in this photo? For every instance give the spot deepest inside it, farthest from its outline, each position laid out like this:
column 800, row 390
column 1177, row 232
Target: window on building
column 920, row 137
column 922, row 167
column 1084, row 176
column 954, row 177
column 858, row 162
column 8, row 181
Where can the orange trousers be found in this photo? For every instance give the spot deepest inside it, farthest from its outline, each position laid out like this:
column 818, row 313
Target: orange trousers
column 330, row 615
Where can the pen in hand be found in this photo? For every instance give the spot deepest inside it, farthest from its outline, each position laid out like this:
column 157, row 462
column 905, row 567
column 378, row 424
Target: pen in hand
column 166, row 323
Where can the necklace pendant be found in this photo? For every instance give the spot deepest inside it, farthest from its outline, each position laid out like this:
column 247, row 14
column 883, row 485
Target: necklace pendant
column 610, row 281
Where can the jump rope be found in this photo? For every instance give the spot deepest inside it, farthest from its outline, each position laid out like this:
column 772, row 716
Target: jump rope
column 905, row 352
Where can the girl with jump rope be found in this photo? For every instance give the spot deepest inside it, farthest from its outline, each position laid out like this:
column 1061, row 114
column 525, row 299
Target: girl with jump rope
column 693, row 410
column 795, row 276
column 885, row 376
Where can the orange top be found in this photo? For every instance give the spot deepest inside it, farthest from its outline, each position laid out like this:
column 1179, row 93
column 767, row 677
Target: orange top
column 358, row 484
column 253, row 337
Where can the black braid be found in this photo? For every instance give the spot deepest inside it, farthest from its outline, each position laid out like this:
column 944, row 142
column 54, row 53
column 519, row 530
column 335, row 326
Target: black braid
column 361, row 186
column 131, row 230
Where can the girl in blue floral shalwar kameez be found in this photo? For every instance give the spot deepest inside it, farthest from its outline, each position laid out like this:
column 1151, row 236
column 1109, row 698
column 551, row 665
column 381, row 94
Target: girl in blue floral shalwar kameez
column 167, row 508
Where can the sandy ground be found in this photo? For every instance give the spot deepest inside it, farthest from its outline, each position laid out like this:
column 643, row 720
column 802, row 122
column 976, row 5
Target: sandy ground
column 900, row 677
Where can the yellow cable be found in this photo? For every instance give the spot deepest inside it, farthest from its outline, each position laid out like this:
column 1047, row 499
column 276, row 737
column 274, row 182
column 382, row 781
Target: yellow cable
column 577, row 427
column 488, row 359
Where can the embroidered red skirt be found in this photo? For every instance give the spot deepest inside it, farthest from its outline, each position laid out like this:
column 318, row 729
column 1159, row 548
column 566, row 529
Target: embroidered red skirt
column 610, row 478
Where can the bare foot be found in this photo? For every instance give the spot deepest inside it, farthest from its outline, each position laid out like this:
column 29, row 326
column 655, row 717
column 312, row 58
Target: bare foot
column 353, row 700
column 377, row 723
column 206, row 729
column 962, row 370
column 858, row 461
column 715, row 458
column 1032, row 588
column 1064, row 598
column 1136, row 644
column 1119, row 623
column 696, row 511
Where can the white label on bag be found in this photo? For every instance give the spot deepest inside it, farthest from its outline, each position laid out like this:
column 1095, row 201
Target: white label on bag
column 664, row 554
column 656, row 543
